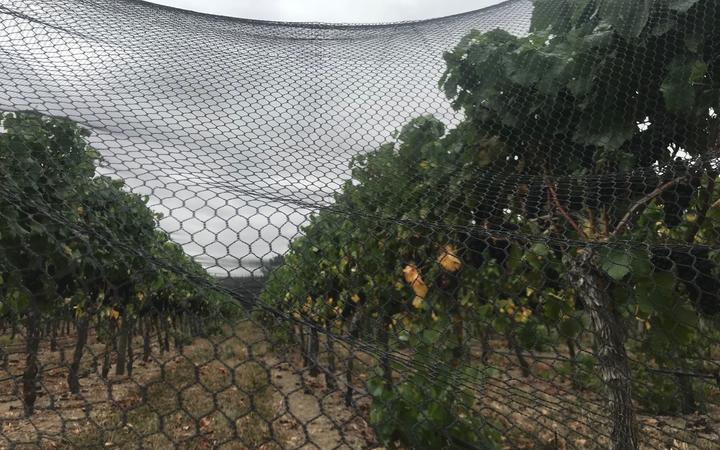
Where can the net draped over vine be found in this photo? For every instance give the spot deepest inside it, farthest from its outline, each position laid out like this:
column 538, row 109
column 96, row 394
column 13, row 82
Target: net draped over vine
column 498, row 229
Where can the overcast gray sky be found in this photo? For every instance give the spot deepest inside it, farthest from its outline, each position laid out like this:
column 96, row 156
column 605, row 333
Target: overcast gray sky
column 348, row 11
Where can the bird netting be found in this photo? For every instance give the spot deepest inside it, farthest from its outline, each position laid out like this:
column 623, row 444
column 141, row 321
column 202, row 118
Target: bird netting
column 498, row 229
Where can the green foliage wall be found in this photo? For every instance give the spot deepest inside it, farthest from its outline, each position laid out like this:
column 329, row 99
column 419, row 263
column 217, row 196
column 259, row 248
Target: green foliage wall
column 75, row 241
column 595, row 131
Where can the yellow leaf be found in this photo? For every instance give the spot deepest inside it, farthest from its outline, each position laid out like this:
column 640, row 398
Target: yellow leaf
column 410, row 273
column 434, row 316
column 529, row 291
column 448, row 259
column 355, row 298
column 420, row 288
column 523, row 315
column 587, row 227
column 413, row 278
column 507, row 306
column 418, row 302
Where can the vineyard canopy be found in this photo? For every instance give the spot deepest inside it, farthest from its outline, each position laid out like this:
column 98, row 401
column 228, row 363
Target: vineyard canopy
column 506, row 222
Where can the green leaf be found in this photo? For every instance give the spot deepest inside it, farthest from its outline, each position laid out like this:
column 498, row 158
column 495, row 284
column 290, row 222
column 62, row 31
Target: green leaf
column 377, row 415
column 438, row 413
column 642, row 264
column 19, row 301
column 430, row 336
column 682, row 5
column 605, row 128
column 628, row 18
column 410, row 393
column 616, row 263
column 692, row 42
column 540, row 249
column 376, row 386
column 655, row 293
column 570, row 328
column 678, row 87
column 515, row 257
column 404, row 336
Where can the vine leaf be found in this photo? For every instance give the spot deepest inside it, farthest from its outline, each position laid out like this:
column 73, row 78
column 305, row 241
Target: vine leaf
column 616, row 263
column 678, row 88
column 682, row 5
column 628, row 19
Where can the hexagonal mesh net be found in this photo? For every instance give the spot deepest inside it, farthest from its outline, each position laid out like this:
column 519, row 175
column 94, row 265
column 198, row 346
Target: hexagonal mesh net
column 495, row 230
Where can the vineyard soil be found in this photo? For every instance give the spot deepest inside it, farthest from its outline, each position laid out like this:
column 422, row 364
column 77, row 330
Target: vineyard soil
column 189, row 398
column 199, row 394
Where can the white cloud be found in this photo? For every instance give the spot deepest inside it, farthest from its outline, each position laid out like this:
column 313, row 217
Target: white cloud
column 347, row 11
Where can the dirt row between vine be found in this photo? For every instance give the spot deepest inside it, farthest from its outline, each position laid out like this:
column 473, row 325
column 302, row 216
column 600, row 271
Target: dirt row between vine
column 232, row 392
column 237, row 391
